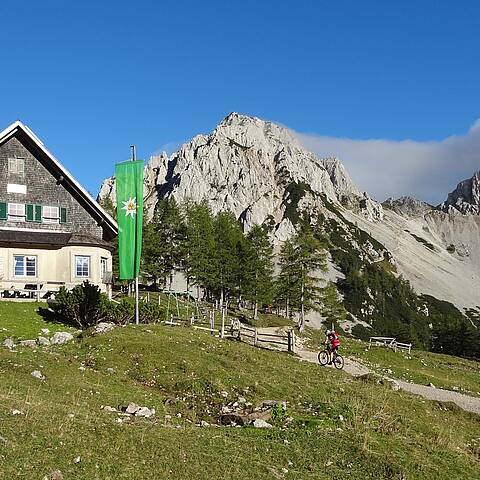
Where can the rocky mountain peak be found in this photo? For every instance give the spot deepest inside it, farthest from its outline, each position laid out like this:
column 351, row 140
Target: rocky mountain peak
column 253, row 168
column 465, row 198
column 407, row 206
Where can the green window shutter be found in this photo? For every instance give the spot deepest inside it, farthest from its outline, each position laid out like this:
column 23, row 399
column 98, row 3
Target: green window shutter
column 29, row 212
column 3, row 211
column 63, row 215
column 38, row 213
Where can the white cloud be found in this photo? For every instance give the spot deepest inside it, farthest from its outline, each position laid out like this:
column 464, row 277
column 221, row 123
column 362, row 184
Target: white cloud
column 168, row 148
column 384, row 168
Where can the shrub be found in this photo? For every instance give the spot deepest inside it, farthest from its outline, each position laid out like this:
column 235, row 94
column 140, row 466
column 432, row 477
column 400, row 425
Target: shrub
column 124, row 312
column 83, row 306
column 121, row 313
column 150, row 312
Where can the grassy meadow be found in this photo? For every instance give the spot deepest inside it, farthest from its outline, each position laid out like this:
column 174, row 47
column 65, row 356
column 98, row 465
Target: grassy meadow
column 419, row 366
column 335, row 427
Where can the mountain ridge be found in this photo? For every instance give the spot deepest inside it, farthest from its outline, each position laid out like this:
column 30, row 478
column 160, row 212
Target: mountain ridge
column 260, row 172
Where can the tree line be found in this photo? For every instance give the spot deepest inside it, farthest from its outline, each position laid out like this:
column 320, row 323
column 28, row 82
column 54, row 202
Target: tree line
column 229, row 265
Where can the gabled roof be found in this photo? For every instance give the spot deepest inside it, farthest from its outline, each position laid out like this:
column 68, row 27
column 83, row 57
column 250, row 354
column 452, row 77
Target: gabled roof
column 68, row 178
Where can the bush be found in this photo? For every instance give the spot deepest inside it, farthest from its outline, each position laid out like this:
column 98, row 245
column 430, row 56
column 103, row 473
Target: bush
column 124, row 312
column 83, row 306
column 120, row 313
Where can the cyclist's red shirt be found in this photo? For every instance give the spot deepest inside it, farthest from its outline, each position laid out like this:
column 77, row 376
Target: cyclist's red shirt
column 334, row 340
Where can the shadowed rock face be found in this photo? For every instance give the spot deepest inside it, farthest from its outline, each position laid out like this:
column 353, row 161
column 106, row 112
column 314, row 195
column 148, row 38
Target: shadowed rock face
column 465, row 198
column 248, row 166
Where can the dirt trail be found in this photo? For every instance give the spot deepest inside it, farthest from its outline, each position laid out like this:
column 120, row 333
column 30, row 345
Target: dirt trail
column 470, row 404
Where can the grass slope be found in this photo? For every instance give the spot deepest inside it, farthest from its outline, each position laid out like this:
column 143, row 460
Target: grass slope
column 444, row 371
column 20, row 320
column 182, row 374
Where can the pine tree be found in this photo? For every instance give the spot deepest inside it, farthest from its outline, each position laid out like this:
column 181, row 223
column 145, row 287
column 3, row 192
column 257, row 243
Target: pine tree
column 301, row 259
column 228, row 258
column 332, row 307
column 199, row 247
column 258, row 267
column 286, row 284
column 162, row 241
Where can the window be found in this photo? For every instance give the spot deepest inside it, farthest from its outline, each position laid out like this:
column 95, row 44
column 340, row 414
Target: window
column 82, row 266
column 50, row 215
column 103, row 266
column 24, row 266
column 16, row 212
column 16, row 166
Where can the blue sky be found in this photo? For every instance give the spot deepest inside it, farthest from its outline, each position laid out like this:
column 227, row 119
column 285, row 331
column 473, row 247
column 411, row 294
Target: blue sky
column 91, row 78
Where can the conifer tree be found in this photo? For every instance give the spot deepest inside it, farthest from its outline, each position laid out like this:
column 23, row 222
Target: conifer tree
column 162, row 241
column 301, row 259
column 229, row 245
column 199, row 247
column 332, row 307
column 258, row 267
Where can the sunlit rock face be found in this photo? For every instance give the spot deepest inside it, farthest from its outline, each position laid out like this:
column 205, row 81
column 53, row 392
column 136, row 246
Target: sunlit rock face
column 465, row 198
column 254, row 169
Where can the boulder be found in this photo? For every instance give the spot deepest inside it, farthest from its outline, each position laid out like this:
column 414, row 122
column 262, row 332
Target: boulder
column 60, row 338
column 43, row 341
column 38, row 374
column 259, row 423
column 132, row 408
column 28, row 343
column 145, row 412
column 103, row 327
column 8, row 343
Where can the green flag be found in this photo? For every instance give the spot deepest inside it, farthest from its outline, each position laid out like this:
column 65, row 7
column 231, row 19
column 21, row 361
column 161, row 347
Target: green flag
column 129, row 187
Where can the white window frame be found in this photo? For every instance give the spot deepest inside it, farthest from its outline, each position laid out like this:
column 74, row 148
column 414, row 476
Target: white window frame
column 14, row 213
column 25, row 270
column 16, row 166
column 76, row 265
column 103, row 266
column 50, row 214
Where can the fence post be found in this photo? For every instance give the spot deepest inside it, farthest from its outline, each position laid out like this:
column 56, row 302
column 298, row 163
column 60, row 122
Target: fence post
column 239, row 332
column 159, row 298
column 291, row 337
column 212, row 322
column 222, row 330
column 255, row 338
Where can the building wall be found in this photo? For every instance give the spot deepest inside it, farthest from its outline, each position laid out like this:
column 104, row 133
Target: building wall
column 55, row 265
column 42, row 189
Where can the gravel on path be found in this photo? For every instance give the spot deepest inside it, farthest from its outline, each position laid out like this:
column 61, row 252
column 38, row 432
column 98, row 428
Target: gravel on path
column 470, row 404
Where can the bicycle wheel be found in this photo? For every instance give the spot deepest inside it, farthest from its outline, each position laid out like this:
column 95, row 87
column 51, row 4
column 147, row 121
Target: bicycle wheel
column 323, row 358
column 338, row 362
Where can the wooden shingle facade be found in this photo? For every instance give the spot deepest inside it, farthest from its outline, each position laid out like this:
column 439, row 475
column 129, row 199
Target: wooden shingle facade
column 52, row 232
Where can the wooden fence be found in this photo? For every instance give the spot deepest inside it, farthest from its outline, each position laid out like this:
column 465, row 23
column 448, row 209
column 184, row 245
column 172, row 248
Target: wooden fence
column 390, row 342
column 236, row 329
column 260, row 338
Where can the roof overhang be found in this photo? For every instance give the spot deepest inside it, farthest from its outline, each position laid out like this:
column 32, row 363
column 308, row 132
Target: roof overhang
column 102, row 217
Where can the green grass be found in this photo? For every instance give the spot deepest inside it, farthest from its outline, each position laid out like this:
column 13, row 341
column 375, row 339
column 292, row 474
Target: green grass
column 176, row 370
column 444, row 371
column 21, row 320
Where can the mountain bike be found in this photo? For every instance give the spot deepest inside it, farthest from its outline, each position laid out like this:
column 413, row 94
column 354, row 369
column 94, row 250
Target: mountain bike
column 326, row 357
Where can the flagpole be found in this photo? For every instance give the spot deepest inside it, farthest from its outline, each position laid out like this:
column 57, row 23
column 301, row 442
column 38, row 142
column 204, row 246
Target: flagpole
column 137, row 316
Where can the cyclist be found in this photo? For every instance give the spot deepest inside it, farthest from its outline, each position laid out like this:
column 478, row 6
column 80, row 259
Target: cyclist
column 333, row 343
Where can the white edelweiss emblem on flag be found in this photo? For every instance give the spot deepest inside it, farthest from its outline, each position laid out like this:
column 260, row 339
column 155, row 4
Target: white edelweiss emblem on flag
column 130, row 207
